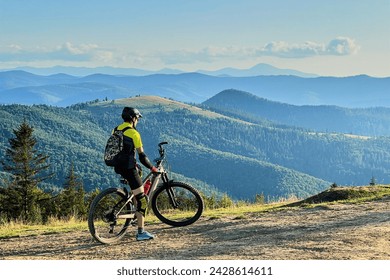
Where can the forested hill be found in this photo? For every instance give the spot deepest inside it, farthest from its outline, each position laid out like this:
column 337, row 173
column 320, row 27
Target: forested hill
column 236, row 156
column 360, row 121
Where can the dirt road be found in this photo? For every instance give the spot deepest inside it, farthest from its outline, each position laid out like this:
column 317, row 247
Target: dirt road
column 352, row 231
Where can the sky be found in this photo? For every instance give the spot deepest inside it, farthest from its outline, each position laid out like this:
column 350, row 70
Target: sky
column 329, row 38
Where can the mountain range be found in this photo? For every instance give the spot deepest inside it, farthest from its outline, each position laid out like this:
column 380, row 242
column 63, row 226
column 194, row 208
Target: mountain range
column 19, row 87
column 230, row 131
column 257, row 70
column 217, row 149
column 77, row 135
column 355, row 121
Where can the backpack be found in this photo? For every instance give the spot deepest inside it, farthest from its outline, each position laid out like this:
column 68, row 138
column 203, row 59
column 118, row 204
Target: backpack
column 114, row 148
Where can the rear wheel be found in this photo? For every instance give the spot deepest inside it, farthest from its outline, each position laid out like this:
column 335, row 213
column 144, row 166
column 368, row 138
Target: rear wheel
column 109, row 215
column 177, row 204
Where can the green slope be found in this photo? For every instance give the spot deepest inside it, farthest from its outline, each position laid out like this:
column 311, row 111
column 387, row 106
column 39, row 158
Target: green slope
column 219, row 152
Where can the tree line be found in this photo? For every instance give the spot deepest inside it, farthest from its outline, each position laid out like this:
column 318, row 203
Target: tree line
column 22, row 199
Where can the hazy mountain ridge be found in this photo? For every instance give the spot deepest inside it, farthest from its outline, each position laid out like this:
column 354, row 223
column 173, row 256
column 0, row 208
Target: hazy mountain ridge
column 63, row 94
column 256, row 70
column 360, row 121
column 357, row 91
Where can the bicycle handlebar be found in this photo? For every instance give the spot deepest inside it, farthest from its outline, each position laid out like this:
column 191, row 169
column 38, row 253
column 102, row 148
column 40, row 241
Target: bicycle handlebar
column 161, row 144
column 161, row 151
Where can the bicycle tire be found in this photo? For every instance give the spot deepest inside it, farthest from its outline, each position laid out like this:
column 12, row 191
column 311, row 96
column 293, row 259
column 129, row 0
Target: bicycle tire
column 102, row 222
column 189, row 204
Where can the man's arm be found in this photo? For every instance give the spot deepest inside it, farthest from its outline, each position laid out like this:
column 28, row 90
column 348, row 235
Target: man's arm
column 143, row 158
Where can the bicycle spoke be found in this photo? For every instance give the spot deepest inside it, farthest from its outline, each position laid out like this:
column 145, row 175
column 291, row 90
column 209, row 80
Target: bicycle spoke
column 110, row 216
column 178, row 205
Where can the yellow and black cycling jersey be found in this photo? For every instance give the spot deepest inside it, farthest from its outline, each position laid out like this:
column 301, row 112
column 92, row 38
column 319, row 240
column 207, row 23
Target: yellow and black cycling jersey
column 132, row 141
column 131, row 133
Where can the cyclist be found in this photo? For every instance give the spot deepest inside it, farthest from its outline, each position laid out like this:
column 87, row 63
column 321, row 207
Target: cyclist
column 128, row 170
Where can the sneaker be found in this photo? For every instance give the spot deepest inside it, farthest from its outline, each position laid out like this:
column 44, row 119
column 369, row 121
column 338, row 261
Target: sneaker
column 144, row 236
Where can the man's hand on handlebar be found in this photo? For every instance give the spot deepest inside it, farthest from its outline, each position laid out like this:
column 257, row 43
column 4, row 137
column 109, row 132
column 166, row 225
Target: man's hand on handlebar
column 154, row 169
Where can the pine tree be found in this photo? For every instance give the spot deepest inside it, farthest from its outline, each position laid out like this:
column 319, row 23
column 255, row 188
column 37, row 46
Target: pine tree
column 3, row 202
column 73, row 197
column 259, row 198
column 372, row 181
column 225, row 202
column 26, row 165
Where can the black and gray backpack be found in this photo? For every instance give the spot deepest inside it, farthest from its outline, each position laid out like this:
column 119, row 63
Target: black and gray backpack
column 114, row 154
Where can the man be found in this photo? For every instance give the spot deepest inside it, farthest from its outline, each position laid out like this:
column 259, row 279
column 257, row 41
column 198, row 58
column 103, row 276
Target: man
column 132, row 143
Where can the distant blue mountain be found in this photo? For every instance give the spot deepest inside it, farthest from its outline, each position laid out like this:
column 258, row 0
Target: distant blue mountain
column 356, row 91
column 18, row 79
column 329, row 119
column 257, row 70
column 63, row 94
column 261, row 69
column 85, row 71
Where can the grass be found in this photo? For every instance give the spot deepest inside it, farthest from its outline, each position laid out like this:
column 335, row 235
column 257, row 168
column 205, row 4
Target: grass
column 240, row 211
column 19, row 229
column 346, row 195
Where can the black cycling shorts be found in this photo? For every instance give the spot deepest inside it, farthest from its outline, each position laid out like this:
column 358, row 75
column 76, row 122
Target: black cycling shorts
column 131, row 175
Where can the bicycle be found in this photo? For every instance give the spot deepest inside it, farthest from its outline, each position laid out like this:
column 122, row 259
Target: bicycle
column 173, row 203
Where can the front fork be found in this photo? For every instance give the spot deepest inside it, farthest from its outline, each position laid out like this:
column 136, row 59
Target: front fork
column 169, row 190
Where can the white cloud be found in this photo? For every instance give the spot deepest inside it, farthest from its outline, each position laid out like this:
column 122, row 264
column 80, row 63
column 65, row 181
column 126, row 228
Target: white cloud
column 71, row 49
column 338, row 46
column 284, row 49
column 64, row 52
column 93, row 54
column 342, row 46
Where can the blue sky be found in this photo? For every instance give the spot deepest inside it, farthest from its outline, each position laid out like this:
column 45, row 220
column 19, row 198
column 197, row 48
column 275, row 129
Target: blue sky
column 335, row 38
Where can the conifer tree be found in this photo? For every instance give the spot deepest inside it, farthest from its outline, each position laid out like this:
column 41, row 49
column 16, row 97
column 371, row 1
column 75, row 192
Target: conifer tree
column 26, row 166
column 73, row 197
column 259, row 198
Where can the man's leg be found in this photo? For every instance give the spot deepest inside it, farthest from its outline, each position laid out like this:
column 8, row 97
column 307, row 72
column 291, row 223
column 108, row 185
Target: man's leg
column 139, row 215
column 137, row 189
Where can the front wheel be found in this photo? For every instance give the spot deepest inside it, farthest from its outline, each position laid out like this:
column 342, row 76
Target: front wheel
column 110, row 215
column 177, row 204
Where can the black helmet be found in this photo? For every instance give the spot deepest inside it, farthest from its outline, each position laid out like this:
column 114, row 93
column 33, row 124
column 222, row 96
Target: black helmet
column 128, row 113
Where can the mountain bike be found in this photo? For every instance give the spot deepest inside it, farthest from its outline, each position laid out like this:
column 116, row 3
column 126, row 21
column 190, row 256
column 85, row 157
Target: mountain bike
column 174, row 203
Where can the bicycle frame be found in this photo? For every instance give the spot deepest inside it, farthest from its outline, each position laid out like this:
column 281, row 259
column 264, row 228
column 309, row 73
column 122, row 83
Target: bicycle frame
column 155, row 179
